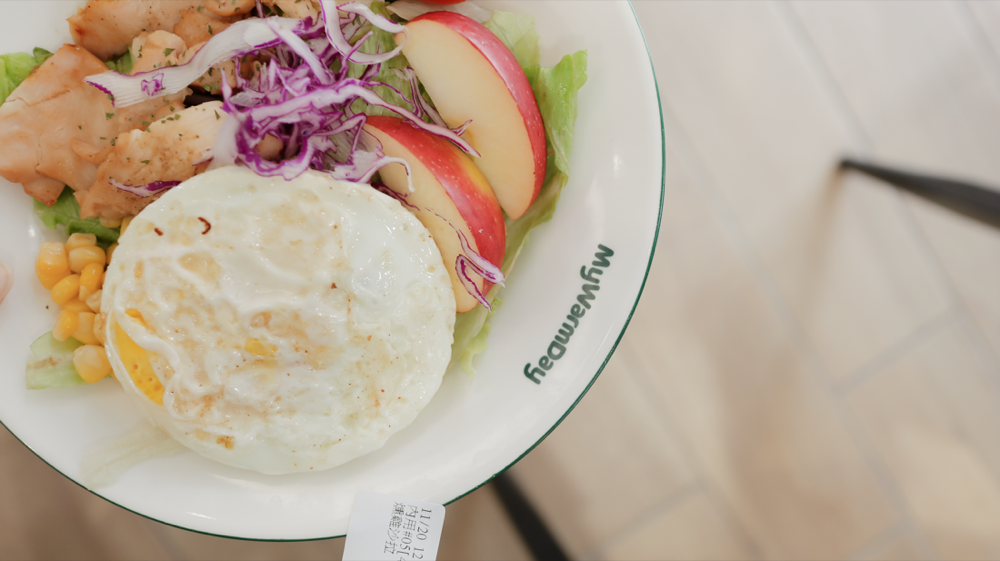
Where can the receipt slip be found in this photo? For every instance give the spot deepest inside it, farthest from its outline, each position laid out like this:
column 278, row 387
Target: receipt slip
column 390, row 528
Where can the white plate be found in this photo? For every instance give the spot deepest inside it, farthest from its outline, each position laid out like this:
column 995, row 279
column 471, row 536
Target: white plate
column 476, row 426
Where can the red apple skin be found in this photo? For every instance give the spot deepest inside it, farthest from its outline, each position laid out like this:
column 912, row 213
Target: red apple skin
column 459, row 182
column 506, row 66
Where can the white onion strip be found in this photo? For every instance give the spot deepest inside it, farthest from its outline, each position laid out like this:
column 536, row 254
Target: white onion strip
column 364, row 165
column 336, row 35
column 241, row 38
column 470, row 259
column 144, row 191
column 462, row 266
column 483, row 268
column 420, row 104
column 371, row 98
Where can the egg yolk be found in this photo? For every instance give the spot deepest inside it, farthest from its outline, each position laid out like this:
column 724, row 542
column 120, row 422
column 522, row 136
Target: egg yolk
column 136, row 361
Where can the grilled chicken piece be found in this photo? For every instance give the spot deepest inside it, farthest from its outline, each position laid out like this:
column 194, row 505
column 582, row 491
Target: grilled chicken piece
column 296, row 8
column 230, row 7
column 140, row 116
column 49, row 120
column 158, row 49
column 166, row 151
column 199, row 26
column 289, row 8
column 55, row 128
column 107, row 27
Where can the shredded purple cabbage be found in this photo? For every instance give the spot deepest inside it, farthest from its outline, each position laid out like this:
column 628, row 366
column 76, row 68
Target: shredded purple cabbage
column 479, row 264
column 146, row 190
column 298, row 98
column 462, row 266
column 382, row 188
column 470, row 260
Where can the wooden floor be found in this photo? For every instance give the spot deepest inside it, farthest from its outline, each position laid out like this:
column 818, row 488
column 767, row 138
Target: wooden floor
column 814, row 369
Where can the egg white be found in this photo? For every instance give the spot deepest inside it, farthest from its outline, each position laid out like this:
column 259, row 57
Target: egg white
column 344, row 287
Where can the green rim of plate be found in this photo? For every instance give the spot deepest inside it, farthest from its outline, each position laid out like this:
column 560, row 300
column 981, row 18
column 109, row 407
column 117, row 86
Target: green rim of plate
column 642, row 286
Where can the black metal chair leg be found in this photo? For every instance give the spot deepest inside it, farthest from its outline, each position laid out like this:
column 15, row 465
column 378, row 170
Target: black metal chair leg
column 975, row 201
column 529, row 524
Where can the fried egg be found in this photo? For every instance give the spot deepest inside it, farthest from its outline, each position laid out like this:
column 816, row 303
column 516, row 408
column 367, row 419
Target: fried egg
column 278, row 326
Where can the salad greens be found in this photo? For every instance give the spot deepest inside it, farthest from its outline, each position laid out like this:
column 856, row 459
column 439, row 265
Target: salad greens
column 66, row 211
column 15, row 67
column 382, row 42
column 517, row 31
column 556, row 92
column 123, row 63
column 52, row 364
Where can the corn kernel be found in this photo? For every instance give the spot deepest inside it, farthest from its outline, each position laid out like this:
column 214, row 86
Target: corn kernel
column 90, row 277
column 80, row 257
column 99, row 327
column 52, row 259
column 80, row 240
column 91, row 363
column 49, row 281
column 125, row 222
column 66, row 289
column 66, row 325
column 110, row 222
column 94, row 300
column 76, row 305
column 85, row 329
column 111, row 251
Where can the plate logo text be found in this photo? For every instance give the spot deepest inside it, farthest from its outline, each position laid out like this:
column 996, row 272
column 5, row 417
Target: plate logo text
column 588, row 293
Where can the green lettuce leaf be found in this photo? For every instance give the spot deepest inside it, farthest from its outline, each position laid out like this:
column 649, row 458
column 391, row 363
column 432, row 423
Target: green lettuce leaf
column 556, row 92
column 14, row 68
column 382, row 42
column 517, row 31
column 471, row 332
column 51, row 365
column 66, row 211
column 123, row 63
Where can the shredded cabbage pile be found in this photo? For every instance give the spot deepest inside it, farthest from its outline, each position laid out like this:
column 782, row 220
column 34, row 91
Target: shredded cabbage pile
column 304, row 95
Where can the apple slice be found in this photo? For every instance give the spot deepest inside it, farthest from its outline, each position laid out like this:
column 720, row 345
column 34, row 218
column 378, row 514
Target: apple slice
column 450, row 196
column 470, row 74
